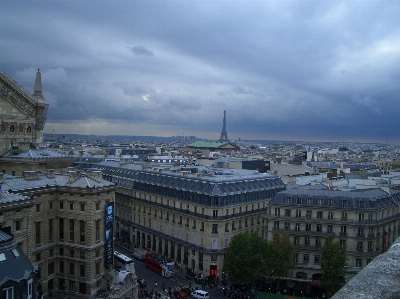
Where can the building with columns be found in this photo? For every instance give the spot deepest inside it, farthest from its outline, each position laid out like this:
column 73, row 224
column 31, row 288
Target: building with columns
column 189, row 214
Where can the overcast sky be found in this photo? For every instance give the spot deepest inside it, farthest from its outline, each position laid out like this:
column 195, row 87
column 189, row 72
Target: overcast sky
column 288, row 70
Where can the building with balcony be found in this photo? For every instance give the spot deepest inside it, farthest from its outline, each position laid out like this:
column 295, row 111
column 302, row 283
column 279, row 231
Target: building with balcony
column 366, row 221
column 189, row 214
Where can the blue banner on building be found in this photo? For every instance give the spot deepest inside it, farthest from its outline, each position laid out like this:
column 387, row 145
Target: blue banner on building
column 109, row 244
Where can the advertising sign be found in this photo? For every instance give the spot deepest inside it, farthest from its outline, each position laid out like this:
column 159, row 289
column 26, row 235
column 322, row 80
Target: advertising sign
column 109, row 243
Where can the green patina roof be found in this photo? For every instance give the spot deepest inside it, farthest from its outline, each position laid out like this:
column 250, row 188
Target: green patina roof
column 206, row 144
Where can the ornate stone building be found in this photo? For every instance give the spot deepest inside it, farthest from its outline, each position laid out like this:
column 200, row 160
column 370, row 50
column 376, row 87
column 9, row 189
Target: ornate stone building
column 59, row 220
column 22, row 115
column 189, row 214
column 367, row 222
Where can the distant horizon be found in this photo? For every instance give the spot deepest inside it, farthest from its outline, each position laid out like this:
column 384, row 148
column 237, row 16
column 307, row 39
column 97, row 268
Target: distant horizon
column 213, row 140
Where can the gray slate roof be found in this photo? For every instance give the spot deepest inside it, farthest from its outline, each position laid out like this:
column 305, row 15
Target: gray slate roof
column 373, row 198
column 13, row 268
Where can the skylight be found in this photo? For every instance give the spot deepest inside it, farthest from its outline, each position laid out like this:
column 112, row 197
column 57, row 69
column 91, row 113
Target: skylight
column 15, row 252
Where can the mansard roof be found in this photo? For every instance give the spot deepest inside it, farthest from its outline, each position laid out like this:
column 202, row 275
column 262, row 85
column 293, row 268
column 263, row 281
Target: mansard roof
column 14, row 265
column 212, row 145
column 202, row 180
column 40, row 180
column 372, row 198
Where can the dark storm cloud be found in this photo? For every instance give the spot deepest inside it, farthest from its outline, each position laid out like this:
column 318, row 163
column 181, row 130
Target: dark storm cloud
column 139, row 50
column 288, row 69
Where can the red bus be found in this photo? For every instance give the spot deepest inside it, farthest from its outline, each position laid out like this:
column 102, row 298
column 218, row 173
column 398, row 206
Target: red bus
column 159, row 265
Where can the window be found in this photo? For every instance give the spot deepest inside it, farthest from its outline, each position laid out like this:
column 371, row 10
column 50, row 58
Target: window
column 215, row 213
column 299, row 200
column 276, row 224
column 317, row 242
column 233, row 225
column 82, row 255
column 342, row 243
column 37, row 227
column 288, row 212
column 71, row 269
column 360, row 232
column 345, row 203
column 61, row 251
column 306, row 258
column 330, row 215
column 215, row 228
column 202, row 227
column 61, row 205
column 297, row 227
column 358, row 263
column 71, row 253
column 82, row 270
column 298, row 213
column 288, row 200
column 71, row 205
column 17, row 225
column 51, row 223
column 343, row 230
column 330, row 229
column 97, row 230
column 316, row 259
column 277, row 211
column 360, row 246
column 61, row 266
column 319, row 215
column 296, row 240
column 38, row 207
column 308, row 214
column 82, row 207
column 320, row 202
column 287, row 225
column 361, row 217
column 8, row 293
column 370, row 246
column 331, row 202
column 194, row 224
column 50, row 268
column 97, row 268
column 98, row 206
column 344, row 216
column 362, row 204
column 319, row 227
column 51, row 252
column 226, row 227
column 308, row 227
column 71, row 230
column 82, row 230
column 309, row 201
column 307, row 241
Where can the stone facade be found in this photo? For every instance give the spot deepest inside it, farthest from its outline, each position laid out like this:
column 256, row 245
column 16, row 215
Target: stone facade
column 22, row 115
column 190, row 216
column 58, row 220
column 366, row 221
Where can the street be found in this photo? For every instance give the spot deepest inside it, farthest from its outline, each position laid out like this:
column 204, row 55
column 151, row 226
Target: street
column 156, row 281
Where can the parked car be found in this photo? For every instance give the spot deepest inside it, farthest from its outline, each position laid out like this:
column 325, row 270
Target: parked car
column 200, row 294
column 180, row 294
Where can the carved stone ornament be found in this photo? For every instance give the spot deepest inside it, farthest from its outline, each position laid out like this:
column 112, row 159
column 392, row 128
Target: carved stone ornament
column 16, row 99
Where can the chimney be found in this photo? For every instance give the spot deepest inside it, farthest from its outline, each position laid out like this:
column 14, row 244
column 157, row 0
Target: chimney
column 73, row 175
column 31, row 175
column 94, row 174
column 50, row 173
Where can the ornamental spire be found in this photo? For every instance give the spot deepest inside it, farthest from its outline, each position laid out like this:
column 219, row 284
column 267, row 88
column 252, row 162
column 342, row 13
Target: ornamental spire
column 37, row 88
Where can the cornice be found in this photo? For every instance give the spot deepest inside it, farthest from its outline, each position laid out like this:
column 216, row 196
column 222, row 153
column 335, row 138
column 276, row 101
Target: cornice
column 16, row 95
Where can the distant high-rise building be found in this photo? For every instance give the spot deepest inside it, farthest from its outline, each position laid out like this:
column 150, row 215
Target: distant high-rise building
column 224, row 133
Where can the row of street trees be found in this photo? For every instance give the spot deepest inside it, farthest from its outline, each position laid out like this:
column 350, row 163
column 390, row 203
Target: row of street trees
column 249, row 257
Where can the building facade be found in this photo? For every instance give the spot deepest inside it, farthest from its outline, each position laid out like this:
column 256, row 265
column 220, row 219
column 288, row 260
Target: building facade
column 59, row 221
column 366, row 222
column 22, row 115
column 190, row 214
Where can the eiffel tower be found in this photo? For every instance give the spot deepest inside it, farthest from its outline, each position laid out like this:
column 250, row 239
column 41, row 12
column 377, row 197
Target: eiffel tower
column 224, row 133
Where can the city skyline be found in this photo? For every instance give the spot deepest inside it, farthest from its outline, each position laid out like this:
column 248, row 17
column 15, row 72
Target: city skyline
column 282, row 70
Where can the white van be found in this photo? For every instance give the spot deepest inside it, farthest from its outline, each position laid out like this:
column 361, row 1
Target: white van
column 199, row 294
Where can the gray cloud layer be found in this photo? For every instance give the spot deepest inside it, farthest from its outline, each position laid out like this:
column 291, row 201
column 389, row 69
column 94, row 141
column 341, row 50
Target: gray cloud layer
column 300, row 70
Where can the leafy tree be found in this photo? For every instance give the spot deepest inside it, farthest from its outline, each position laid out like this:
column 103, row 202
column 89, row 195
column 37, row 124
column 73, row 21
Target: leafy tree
column 244, row 258
column 279, row 259
column 333, row 260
